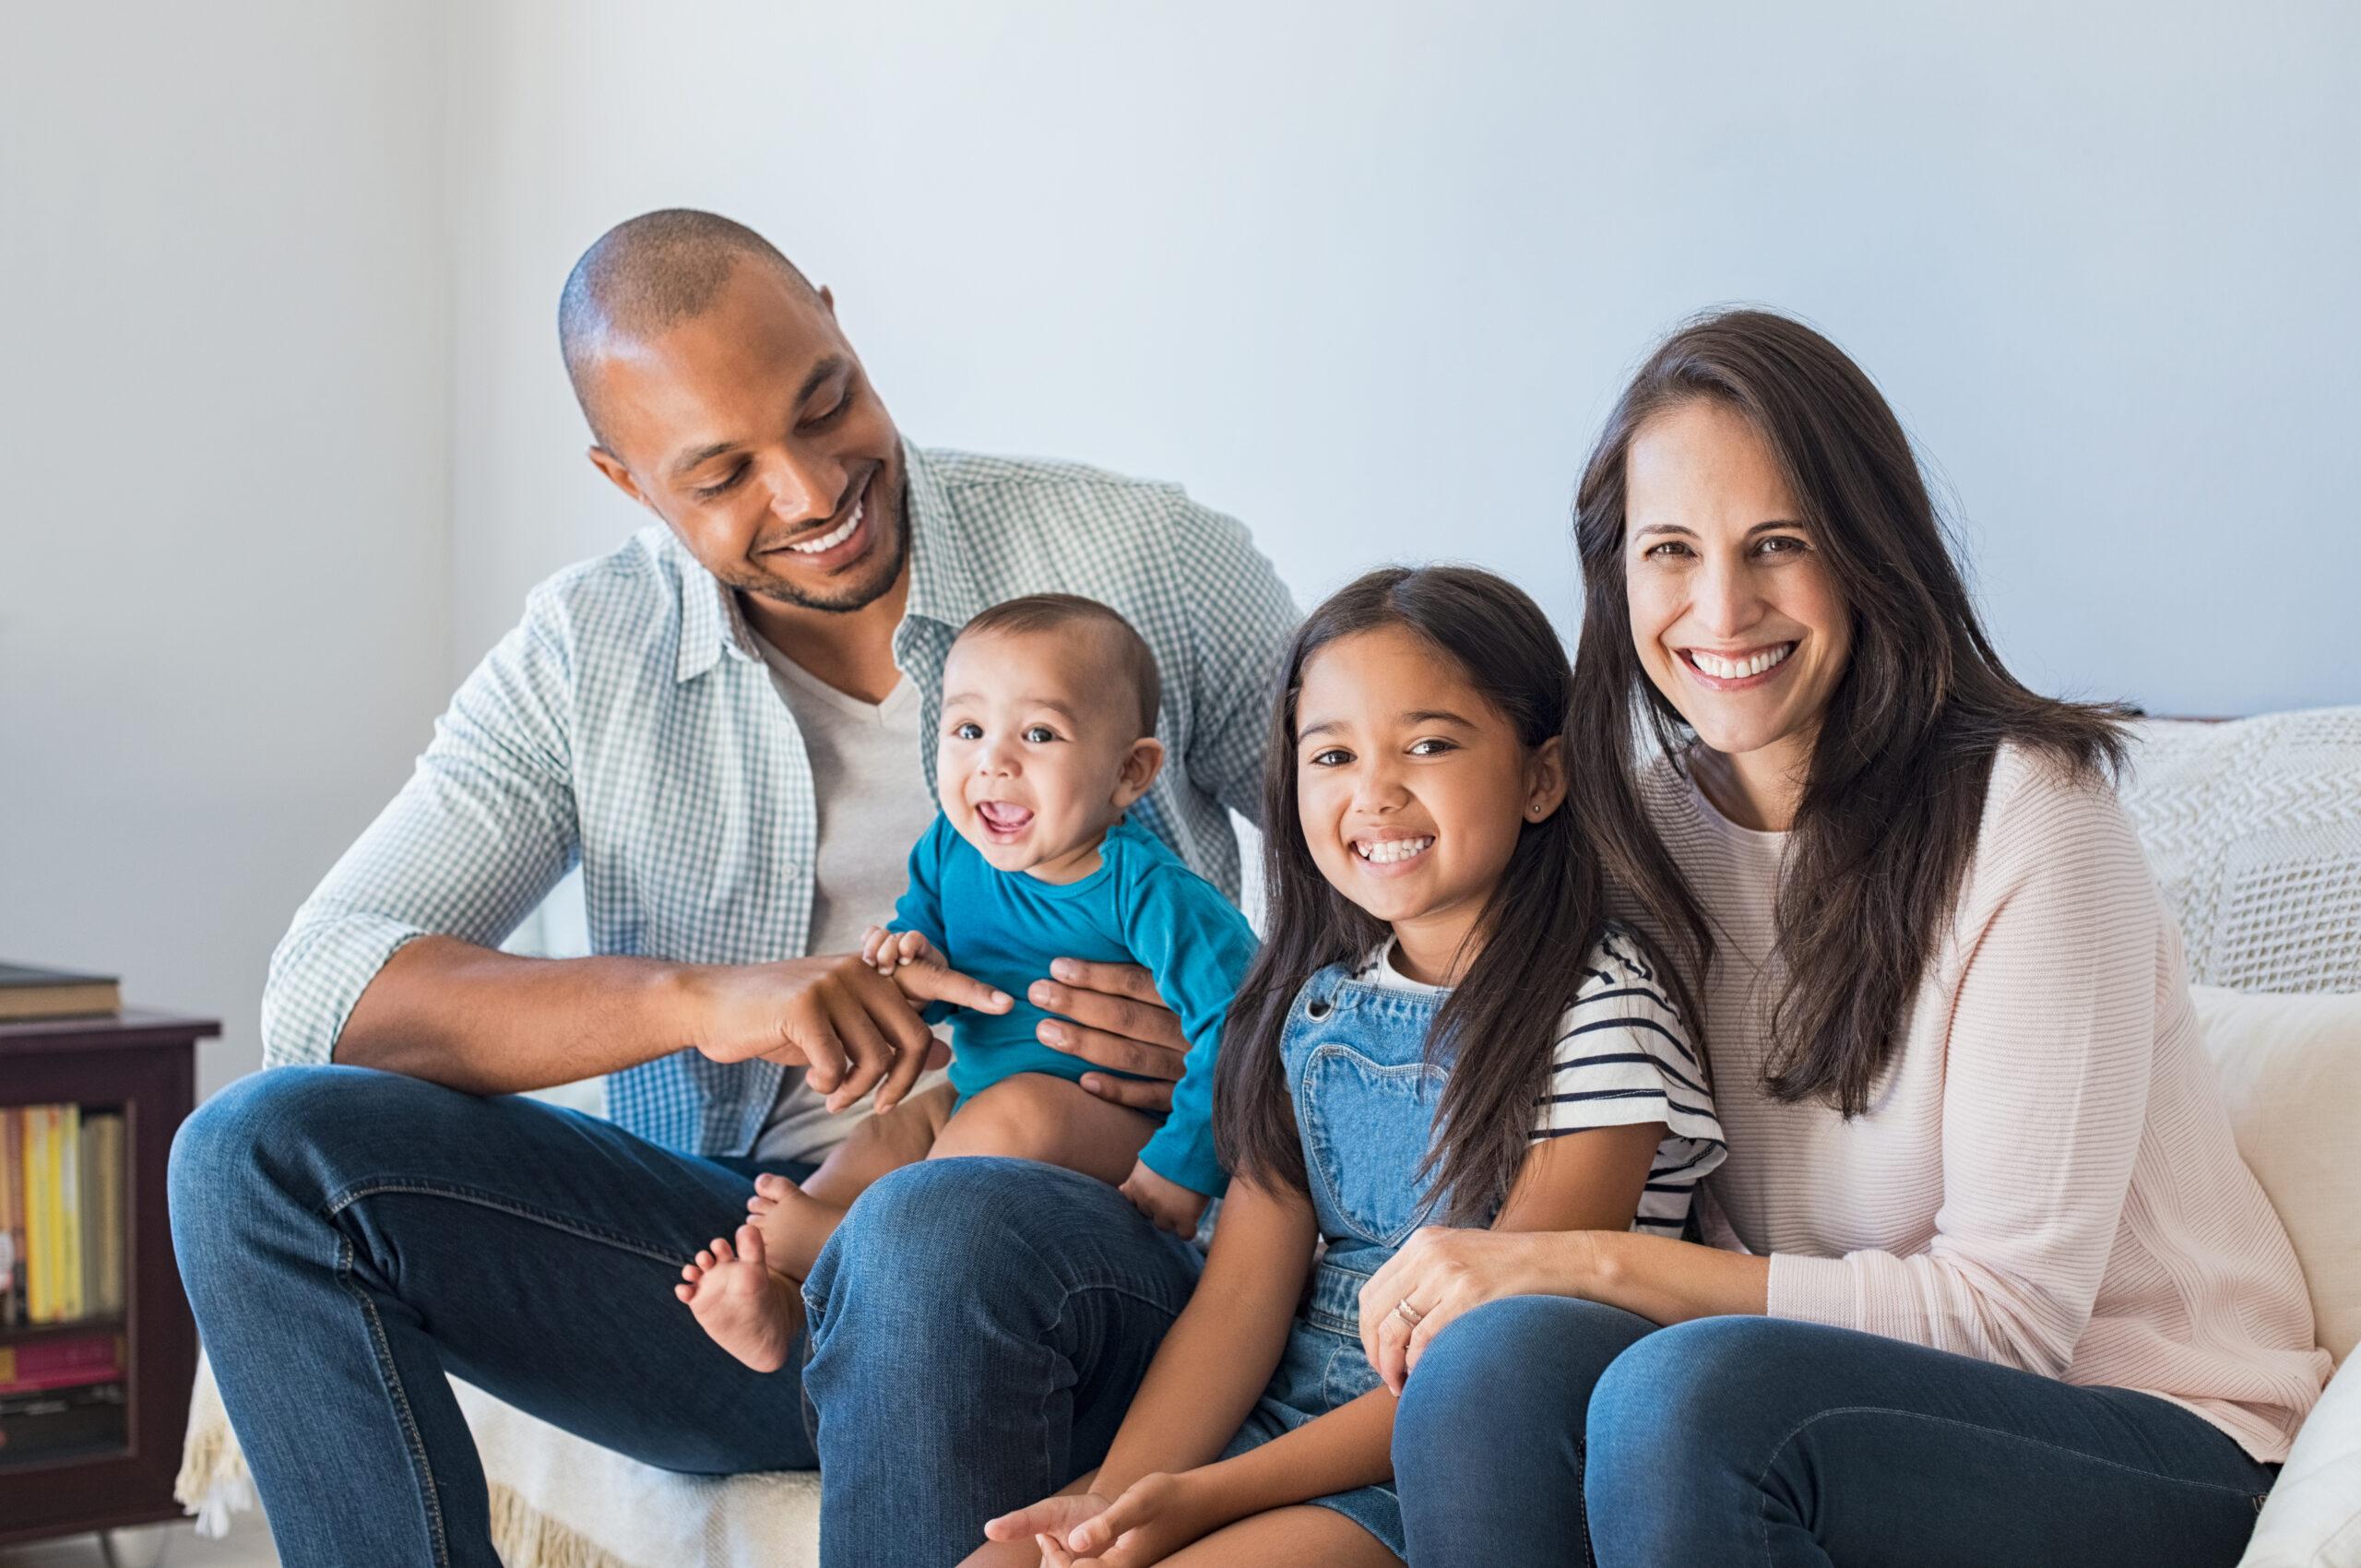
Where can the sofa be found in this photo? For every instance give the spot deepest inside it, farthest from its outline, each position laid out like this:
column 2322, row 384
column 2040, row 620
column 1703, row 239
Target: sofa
column 2254, row 830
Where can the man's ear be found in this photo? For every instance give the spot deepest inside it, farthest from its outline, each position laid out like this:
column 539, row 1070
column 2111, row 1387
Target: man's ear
column 1545, row 780
column 828, row 298
column 1141, row 766
column 606, row 463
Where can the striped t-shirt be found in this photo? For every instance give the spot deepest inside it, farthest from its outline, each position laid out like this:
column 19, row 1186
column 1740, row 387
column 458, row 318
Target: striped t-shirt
column 1622, row 1056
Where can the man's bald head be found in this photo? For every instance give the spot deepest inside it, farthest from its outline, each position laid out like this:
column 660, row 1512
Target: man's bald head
column 649, row 273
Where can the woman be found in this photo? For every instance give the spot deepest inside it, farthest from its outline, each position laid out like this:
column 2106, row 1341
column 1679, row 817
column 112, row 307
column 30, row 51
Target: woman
column 2008, row 1294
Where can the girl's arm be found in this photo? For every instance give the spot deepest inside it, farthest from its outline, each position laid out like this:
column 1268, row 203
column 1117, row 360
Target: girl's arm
column 1591, row 1180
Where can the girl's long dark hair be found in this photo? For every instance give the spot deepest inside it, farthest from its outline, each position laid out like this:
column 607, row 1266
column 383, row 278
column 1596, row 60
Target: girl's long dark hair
column 1898, row 776
column 1497, row 1028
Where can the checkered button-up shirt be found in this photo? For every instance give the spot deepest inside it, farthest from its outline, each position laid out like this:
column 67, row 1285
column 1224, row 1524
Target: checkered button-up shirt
column 628, row 726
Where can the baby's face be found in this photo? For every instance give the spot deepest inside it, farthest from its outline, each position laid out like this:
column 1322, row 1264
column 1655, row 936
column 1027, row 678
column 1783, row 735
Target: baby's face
column 1040, row 751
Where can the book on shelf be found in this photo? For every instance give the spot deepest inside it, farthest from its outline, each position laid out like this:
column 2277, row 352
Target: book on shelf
column 37, row 1366
column 62, row 1214
column 28, row 993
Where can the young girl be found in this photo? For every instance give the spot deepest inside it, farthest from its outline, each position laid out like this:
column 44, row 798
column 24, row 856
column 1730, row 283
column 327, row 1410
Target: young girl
column 1444, row 1026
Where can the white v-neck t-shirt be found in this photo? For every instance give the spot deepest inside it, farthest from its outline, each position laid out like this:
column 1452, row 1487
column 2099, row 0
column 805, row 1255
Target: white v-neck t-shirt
column 873, row 804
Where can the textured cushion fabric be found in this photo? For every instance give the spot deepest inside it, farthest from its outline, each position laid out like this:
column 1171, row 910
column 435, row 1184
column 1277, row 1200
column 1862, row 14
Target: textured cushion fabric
column 2313, row 1519
column 2290, row 1068
column 2253, row 829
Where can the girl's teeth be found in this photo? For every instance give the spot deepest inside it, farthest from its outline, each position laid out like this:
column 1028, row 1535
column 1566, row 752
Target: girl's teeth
column 1393, row 850
column 1738, row 669
column 834, row 537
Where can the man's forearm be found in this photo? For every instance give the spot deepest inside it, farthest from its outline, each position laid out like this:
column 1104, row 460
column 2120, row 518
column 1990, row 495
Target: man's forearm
column 493, row 1023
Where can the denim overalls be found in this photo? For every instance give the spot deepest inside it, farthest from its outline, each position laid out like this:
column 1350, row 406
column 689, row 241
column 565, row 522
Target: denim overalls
column 1355, row 1058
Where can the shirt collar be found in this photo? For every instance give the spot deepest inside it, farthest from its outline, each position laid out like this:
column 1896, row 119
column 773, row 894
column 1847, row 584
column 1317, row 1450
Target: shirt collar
column 942, row 583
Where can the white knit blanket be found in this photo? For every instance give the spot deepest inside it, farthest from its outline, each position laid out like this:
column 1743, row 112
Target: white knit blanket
column 2254, row 830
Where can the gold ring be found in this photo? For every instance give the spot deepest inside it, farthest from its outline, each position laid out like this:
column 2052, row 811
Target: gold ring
column 1406, row 1313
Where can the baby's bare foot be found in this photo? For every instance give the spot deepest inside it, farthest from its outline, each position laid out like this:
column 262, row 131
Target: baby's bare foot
column 793, row 1223
column 747, row 1310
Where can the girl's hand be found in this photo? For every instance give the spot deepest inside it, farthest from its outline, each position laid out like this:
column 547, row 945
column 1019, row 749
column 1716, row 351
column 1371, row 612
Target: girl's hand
column 1441, row 1273
column 1155, row 1516
column 1047, row 1520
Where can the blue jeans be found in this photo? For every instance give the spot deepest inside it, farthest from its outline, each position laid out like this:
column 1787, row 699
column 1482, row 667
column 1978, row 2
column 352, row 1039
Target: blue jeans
column 348, row 1236
column 1739, row 1441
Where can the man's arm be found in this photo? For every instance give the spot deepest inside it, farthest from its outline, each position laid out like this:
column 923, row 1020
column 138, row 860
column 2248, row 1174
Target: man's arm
column 1241, row 644
column 390, row 962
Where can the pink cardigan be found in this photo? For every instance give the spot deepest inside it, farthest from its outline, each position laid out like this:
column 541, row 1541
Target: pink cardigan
column 2046, row 1177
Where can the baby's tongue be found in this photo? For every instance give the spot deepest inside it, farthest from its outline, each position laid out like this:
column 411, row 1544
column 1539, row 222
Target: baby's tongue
column 1003, row 816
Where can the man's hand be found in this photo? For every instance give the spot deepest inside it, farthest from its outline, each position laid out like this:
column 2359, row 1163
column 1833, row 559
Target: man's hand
column 847, row 1027
column 1168, row 1205
column 1118, row 1022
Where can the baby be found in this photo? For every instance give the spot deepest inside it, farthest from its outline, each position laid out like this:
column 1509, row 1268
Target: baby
column 1048, row 737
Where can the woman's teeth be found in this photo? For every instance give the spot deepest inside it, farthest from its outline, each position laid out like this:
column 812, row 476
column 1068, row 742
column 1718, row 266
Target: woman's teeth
column 834, row 535
column 1392, row 849
column 1738, row 669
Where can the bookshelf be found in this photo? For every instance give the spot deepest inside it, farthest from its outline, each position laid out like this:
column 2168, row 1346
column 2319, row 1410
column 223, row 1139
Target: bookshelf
column 82, row 1458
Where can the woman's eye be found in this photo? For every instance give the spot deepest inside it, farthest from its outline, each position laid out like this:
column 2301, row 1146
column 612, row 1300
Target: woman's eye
column 708, row 492
column 967, row 732
column 1665, row 551
column 1782, row 544
column 1040, row 734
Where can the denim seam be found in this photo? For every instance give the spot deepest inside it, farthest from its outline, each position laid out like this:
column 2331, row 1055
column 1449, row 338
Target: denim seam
column 1818, row 1416
column 429, row 1494
column 345, row 1197
column 1065, row 1308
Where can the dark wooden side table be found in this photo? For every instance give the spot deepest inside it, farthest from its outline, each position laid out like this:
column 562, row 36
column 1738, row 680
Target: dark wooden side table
column 143, row 1066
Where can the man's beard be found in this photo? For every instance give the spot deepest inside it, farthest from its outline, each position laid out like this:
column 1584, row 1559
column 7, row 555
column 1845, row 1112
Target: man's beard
column 881, row 571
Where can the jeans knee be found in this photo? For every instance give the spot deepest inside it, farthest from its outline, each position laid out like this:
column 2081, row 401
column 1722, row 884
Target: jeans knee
column 1511, row 1375
column 1669, row 1402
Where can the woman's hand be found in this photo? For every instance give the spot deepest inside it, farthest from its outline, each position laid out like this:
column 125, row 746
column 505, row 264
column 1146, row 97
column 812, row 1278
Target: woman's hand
column 1155, row 1516
column 1441, row 1273
column 1112, row 1017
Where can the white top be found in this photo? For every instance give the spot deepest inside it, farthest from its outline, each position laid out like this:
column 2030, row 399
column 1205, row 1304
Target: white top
column 1622, row 1057
column 873, row 804
column 2045, row 1176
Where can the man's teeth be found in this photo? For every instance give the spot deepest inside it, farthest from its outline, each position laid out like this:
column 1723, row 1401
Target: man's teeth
column 834, row 537
column 1392, row 849
column 1738, row 669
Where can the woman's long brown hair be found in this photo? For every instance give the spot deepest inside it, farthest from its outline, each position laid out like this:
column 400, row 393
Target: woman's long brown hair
column 1497, row 1028
column 1899, row 772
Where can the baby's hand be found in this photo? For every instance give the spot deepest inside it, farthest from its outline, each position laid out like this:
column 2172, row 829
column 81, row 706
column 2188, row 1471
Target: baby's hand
column 1171, row 1205
column 886, row 951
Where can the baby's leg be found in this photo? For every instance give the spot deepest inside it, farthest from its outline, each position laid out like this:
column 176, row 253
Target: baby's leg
column 796, row 1223
column 1035, row 1116
column 750, row 1312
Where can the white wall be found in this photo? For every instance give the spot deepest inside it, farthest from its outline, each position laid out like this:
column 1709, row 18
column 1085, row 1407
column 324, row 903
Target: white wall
column 224, row 522
column 1368, row 275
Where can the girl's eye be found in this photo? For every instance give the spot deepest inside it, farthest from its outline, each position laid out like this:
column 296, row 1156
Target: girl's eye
column 1040, row 734
column 708, row 492
column 968, row 731
column 1335, row 756
column 1431, row 746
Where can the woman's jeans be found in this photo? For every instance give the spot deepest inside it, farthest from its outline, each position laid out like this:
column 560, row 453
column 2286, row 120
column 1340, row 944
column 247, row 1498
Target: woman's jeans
column 1737, row 1440
column 347, row 1237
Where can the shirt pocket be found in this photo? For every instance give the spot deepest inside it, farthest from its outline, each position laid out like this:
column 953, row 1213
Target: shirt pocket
column 1366, row 1125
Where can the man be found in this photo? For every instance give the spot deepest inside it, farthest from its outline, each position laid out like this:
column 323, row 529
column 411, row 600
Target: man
column 728, row 723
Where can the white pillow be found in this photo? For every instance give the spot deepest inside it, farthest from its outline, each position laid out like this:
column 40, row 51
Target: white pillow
column 2290, row 1069
column 2313, row 1519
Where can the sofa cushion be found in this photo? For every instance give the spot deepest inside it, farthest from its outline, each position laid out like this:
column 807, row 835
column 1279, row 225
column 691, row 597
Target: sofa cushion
column 2290, row 1068
column 2313, row 1519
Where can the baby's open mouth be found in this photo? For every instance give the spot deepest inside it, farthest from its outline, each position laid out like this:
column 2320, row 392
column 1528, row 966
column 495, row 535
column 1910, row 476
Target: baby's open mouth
column 1002, row 817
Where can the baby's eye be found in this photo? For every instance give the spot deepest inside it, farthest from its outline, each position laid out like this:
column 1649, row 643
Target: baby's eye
column 1040, row 734
column 967, row 729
